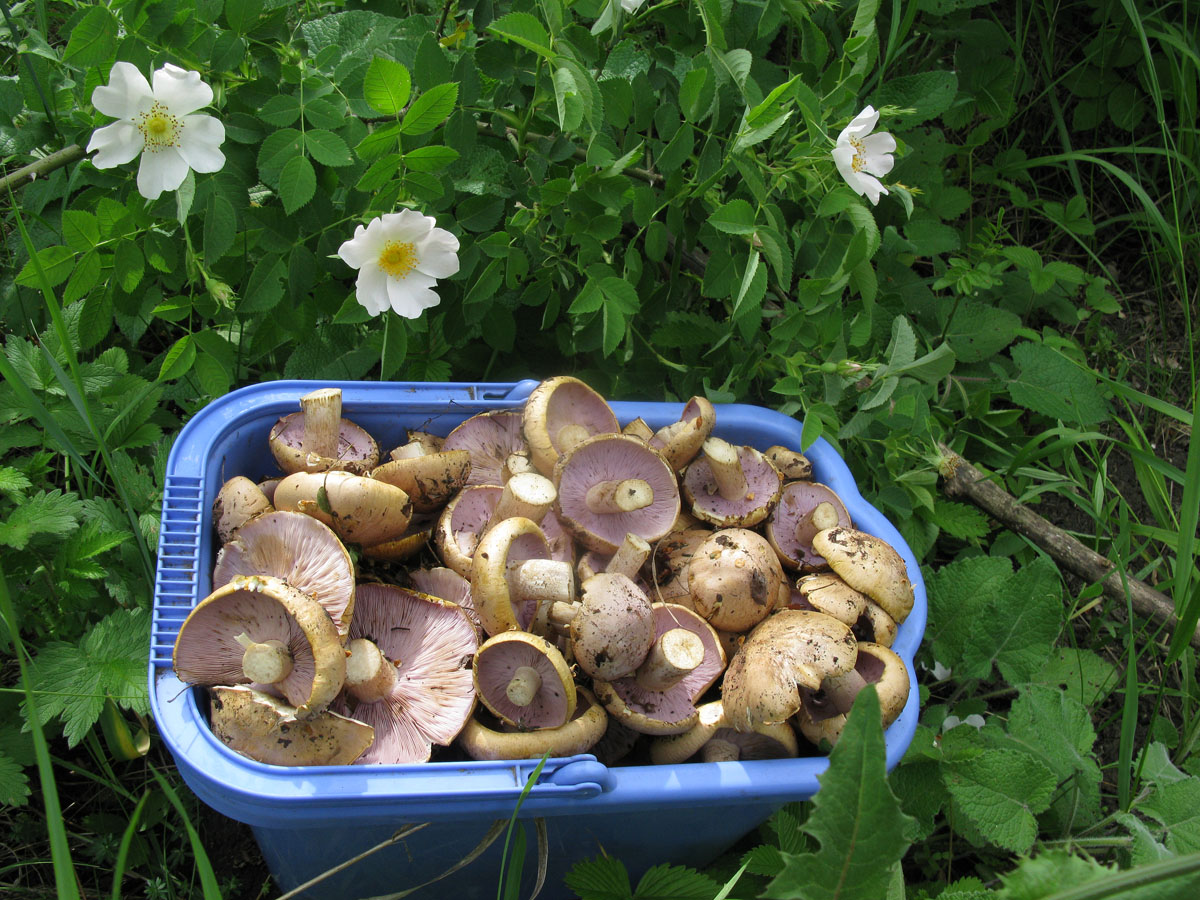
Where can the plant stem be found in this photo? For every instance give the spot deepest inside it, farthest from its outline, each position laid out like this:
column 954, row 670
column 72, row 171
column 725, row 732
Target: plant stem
column 43, row 166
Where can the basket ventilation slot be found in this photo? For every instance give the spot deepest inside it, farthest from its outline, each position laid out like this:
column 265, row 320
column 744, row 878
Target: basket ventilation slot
column 178, row 563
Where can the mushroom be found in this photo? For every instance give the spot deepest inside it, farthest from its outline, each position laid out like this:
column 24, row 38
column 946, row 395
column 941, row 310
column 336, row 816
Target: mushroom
column 417, row 535
column 805, row 507
column 317, row 438
column 612, row 485
column 490, row 438
column 870, row 565
column 730, row 486
column 792, row 465
column 611, row 629
column 429, row 479
column 360, row 510
column 734, row 578
column 513, row 578
column 680, row 441
column 526, row 494
column 259, row 629
column 461, row 524
column 670, row 709
column 639, row 429
column 628, row 560
column 408, row 675
column 266, row 729
column 672, row 557
column 445, row 584
column 524, row 680
column 715, row 741
column 877, row 665
column 792, row 650
column 559, row 415
column 238, row 501
column 828, row 594
column 299, row 549
column 579, row 735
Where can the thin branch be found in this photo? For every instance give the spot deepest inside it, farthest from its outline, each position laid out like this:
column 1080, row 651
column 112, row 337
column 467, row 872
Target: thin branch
column 43, row 166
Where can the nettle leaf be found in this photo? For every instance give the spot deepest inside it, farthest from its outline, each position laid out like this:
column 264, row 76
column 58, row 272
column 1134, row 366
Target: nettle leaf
column 46, row 512
column 1081, row 674
column 13, row 481
column 855, row 818
column 430, row 109
column 1049, row 873
column 1177, row 806
column 1000, row 792
column 960, row 520
column 1050, row 384
column 980, row 330
column 14, row 785
column 73, row 681
column 929, row 93
column 1018, row 626
column 959, row 593
column 387, row 86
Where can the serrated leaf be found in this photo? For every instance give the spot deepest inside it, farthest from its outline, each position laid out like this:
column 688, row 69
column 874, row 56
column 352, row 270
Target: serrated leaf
column 93, row 39
column 429, row 159
column 13, row 481
column 668, row 882
column 959, row 593
column 73, row 681
column 1177, row 807
column 327, row 148
column 85, row 276
column 1081, row 674
column 178, row 360
column 281, row 110
column 56, row 262
column 603, row 878
column 928, row 93
column 902, row 349
column 1051, row 872
column 855, row 818
column 1052, row 385
column 46, row 512
column 387, row 86
column 763, row 860
column 128, row 265
column 980, row 330
column 960, row 520
column 1000, row 792
column 14, row 784
column 220, row 228
column 280, row 147
column 297, row 184
column 430, row 109
column 80, row 229
column 735, row 217
column 524, row 29
column 1018, row 626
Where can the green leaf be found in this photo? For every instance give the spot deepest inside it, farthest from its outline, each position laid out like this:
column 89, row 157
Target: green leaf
column 297, row 184
column 13, row 481
column 128, row 265
column 1052, row 385
column 265, row 287
column 280, row 111
column 1177, row 806
column 980, row 330
column 1082, row 675
column 602, row 878
column 380, row 172
column 56, row 261
column 959, row 594
column 928, row 93
column 326, row 148
column 179, row 359
column 93, row 39
column 960, row 520
column 387, row 86
column 220, row 228
column 429, row 159
column 242, row 15
column 85, row 277
column 430, row 109
column 668, row 882
column 1000, row 792
column 1019, row 625
column 855, row 818
column 753, row 288
column 524, row 29
column 280, row 147
column 46, row 512
column 568, row 103
column 1051, row 872
column 735, row 217
column 80, row 229
column 14, row 784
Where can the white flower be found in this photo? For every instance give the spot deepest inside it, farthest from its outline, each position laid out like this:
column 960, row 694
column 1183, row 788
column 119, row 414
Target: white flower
column 157, row 123
column 860, row 155
column 632, row 6
column 399, row 257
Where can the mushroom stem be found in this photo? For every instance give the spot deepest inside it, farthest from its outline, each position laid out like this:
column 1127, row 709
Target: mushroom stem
column 528, row 494
column 720, row 750
column 545, row 581
column 842, row 689
column 562, row 614
column 369, row 674
column 516, row 464
column 619, row 495
column 268, row 662
column 322, row 421
column 822, row 516
column 726, row 467
column 523, row 686
column 570, row 436
column 639, row 429
column 630, row 556
column 676, row 653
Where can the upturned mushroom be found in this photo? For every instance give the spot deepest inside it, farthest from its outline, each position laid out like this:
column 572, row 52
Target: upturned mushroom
column 318, row 439
column 360, row 510
column 514, row 582
column 579, row 735
column 266, row 729
column 877, row 665
column 730, row 486
column 734, row 578
column 408, row 675
column 260, row 630
column 445, row 584
column 611, row 485
column 672, row 558
column 560, row 414
column 302, row 551
column 805, row 507
column 524, row 680
column 490, row 438
column 868, row 564
column 712, row 740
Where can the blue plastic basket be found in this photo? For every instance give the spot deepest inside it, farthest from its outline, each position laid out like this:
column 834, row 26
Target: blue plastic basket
column 309, row 820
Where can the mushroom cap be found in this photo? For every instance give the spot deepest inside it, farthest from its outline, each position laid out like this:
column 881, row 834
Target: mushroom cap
column 357, row 450
column 827, row 593
column 875, row 626
column 266, row 729
column 494, row 577
column 614, row 457
column 763, row 484
column 431, row 642
column 767, row 742
column 672, row 557
column 360, row 510
column 416, row 538
column 264, row 608
column 793, row 649
column 614, row 630
column 496, row 663
column 681, row 441
column 673, row 710
column 445, row 584
column 429, row 480
column 557, row 403
column 878, row 665
column 734, row 578
column 302, row 551
column 792, row 464
column 790, row 534
column 238, row 501
column 870, row 565
column 490, row 438
column 461, row 524
column 580, row 734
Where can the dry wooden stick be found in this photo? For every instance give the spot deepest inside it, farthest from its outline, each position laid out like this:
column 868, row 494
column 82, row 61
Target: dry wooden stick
column 963, row 480
column 43, row 166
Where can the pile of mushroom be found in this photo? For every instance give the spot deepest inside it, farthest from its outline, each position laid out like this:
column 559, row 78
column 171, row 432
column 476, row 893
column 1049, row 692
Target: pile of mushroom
column 553, row 583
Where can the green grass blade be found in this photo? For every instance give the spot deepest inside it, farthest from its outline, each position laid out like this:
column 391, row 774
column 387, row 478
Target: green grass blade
column 208, row 878
column 1187, row 609
column 512, row 823
column 126, row 842
column 65, row 880
column 1122, row 884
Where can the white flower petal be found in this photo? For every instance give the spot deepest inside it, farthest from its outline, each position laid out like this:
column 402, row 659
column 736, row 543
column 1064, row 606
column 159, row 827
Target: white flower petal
column 437, row 254
column 371, row 289
column 201, row 137
column 126, row 94
column 411, row 295
column 118, row 143
column 180, row 90
column 843, row 158
column 161, row 171
column 357, row 251
column 861, row 124
column 879, row 144
column 870, row 186
column 632, row 6
column 407, row 226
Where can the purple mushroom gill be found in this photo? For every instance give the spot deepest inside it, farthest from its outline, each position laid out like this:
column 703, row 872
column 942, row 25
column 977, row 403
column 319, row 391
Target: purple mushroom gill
column 490, row 438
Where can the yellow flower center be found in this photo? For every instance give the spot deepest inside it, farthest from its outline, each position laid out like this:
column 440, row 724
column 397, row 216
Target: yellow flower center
column 159, row 128
column 860, row 154
column 398, row 259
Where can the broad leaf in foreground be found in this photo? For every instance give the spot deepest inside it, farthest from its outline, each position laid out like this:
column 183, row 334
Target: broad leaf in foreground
column 856, row 819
